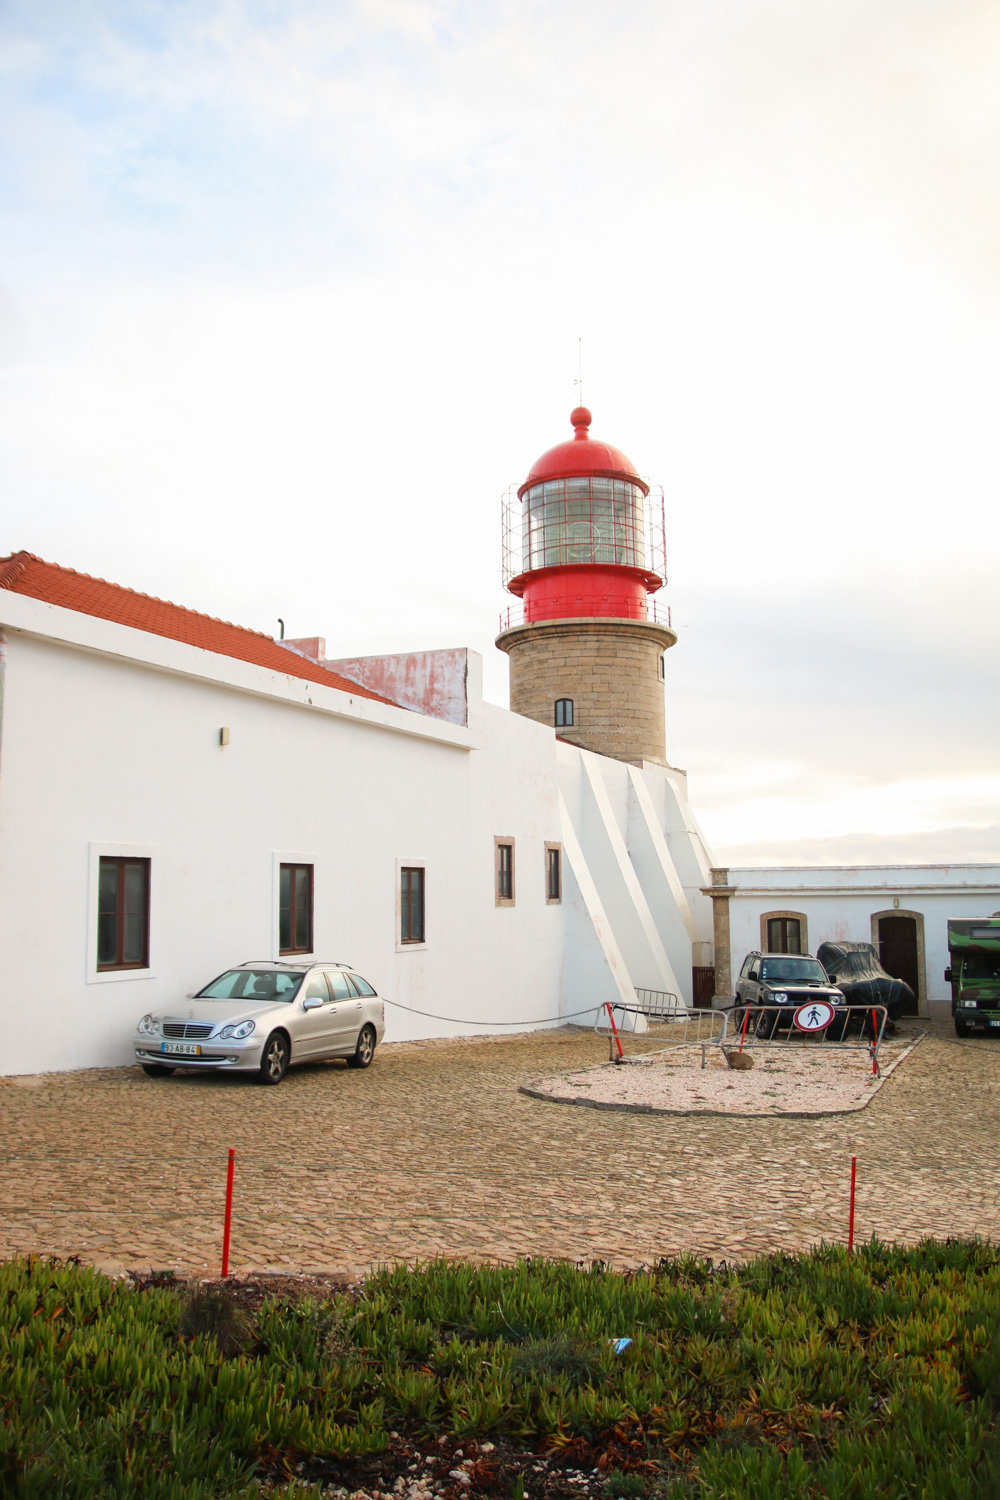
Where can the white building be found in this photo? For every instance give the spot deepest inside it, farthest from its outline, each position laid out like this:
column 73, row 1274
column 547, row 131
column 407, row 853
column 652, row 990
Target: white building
column 178, row 795
column 902, row 910
column 191, row 760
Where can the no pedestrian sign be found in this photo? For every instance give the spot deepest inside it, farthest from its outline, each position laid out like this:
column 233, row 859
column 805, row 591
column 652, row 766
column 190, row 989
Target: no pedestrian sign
column 816, row 1016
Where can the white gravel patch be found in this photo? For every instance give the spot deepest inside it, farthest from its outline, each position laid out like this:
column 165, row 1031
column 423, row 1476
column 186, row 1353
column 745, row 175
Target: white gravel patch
column 801, row 1080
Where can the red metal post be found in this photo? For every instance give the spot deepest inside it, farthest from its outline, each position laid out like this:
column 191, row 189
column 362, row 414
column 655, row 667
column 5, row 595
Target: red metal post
column 850, row 1217
column 614, row 1030
column 746, row 1017
column 229, row 1214
column 874, row 1042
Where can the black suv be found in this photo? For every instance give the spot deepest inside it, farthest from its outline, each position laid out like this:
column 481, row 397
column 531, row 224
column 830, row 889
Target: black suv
column 785, row 979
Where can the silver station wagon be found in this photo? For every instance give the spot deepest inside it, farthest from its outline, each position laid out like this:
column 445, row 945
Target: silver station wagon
column 263, row 1017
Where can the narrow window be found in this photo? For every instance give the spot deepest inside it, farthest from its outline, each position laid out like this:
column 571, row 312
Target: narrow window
column 123, row 914
column 553, row 873
column 411, row 904
column 505, row 871
column 295, row 909
column 783, row 935
column 564, row 713
column 663, row 668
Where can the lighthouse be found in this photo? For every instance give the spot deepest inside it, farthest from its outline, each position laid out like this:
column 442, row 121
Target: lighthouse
column 584, row 551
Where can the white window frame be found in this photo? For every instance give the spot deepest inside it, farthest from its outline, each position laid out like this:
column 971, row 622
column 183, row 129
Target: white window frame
column 410, row 864
column 95, row 853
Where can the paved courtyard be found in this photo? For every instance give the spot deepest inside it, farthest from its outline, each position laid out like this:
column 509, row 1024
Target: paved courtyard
column 434, row 1151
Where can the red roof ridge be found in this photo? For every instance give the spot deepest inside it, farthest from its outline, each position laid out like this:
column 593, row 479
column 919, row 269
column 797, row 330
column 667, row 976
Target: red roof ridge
column 14, row 566
column 26, row 574
column 19, row 566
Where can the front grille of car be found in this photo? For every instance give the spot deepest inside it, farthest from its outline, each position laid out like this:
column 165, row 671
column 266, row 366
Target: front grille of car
column 189, row 1029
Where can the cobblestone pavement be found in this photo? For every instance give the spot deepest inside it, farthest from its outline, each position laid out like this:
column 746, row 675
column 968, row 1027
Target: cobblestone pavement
column 433, row 1151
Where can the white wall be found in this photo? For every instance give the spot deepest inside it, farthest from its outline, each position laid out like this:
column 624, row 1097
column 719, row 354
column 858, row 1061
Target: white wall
column 839, row 904
column 630, row 830
column 109, row 743
column 98, row 750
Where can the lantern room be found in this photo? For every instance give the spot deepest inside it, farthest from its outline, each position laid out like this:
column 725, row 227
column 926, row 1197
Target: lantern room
column 584, row 535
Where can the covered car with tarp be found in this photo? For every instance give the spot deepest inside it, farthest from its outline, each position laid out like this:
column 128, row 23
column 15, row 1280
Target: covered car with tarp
column 855, row 969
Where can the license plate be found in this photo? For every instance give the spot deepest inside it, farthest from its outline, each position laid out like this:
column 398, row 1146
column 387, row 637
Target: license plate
column 181, row 1049
column 995, row 1023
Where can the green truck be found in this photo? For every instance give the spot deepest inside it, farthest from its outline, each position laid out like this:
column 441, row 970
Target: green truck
column 974, row 950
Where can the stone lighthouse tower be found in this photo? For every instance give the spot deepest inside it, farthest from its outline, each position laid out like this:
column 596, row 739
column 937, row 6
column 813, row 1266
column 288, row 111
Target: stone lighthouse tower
column 584, row 549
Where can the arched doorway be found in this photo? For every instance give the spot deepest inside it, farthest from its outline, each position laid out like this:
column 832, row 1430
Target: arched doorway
column 899, row 938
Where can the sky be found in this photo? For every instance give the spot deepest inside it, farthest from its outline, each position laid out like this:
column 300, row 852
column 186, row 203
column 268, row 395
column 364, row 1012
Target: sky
column 290, row 293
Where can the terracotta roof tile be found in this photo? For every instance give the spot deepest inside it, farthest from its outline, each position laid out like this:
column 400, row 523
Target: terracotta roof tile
column 23, row 573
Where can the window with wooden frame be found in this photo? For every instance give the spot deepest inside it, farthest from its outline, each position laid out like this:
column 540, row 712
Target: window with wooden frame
column 503, row 850
column 411, row 904
column 295, row 909
column 553, row 873
column 564, row 713
column 783, row 932
column 123, row 914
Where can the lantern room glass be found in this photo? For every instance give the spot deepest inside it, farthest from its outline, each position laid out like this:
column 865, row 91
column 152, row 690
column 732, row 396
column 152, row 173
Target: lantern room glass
column 590, row 519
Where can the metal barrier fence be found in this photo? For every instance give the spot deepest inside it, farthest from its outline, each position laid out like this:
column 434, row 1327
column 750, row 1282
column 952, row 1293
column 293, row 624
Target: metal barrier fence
column 675, row 1026
column 818, row 1023
column 851, row 1027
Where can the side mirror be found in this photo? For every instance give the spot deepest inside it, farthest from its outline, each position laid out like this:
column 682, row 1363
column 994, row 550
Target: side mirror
column 947, row 976
column 312, row 1002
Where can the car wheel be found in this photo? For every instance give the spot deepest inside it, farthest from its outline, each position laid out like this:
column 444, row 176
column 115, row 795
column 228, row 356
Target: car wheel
column 156, row 1070
column 365, row 1050
column 961, row 1028
column 274, row 1062
column 766, row 1025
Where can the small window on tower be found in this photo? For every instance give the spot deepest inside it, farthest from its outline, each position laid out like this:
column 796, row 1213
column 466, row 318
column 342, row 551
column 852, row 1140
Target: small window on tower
column 662, row 668
column 564, row 713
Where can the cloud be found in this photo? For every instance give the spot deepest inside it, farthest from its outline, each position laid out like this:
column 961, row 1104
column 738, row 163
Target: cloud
column 961, row 845
column 293, row 292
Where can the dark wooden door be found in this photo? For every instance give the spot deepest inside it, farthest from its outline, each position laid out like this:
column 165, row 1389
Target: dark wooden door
column 897, row 951
column 704, row 986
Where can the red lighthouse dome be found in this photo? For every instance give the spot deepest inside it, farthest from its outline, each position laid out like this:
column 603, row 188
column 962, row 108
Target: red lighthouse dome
column 581, row 454
column 585, row 531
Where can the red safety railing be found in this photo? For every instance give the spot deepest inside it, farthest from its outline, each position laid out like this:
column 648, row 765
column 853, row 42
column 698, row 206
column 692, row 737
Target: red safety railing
column 653, row 611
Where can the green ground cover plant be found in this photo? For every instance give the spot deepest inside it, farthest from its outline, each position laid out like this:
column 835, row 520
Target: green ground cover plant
column 820, row 1375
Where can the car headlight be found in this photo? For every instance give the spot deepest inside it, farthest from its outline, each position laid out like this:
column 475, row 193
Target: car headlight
column 243, row 1029
column 147, row 1026
column 779, row 997
column 969, row 1002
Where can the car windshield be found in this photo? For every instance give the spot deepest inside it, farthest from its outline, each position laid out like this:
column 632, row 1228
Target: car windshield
column 981, row 966
column 792, row 971
column 256, row 985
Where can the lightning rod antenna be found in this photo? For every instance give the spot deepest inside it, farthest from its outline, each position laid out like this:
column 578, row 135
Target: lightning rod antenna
column 578, row 382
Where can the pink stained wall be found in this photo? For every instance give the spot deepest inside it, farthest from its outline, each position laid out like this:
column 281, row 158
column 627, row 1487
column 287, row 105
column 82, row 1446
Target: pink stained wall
column 428, row 682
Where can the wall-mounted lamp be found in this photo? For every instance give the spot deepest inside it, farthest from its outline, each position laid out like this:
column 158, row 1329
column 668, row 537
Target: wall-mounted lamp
column 224, row 740
column 895, row 900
